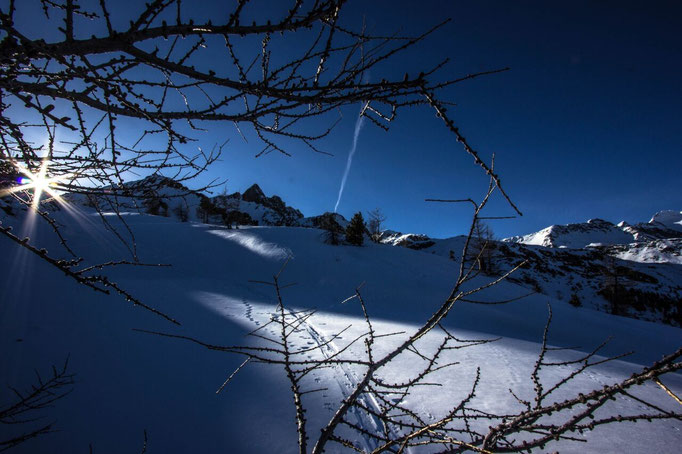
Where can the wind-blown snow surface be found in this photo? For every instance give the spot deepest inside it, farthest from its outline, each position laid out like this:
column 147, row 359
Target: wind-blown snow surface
column 128, row 381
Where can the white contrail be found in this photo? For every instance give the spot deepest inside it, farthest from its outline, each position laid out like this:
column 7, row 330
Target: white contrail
column 358, row 126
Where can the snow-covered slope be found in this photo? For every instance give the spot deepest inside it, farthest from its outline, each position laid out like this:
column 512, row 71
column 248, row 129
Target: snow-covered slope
column 646, row 257
column 667, row 250
column 210, row 289
column 128, row 382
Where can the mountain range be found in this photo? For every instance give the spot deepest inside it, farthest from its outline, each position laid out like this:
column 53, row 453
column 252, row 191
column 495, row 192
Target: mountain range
column 623, row 269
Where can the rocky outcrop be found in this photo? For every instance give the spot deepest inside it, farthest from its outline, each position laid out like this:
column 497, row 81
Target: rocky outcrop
column 254, row 194
column 262, row 209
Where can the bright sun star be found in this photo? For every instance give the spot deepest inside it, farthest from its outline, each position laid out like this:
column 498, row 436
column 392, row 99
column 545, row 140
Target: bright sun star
column 38, row 182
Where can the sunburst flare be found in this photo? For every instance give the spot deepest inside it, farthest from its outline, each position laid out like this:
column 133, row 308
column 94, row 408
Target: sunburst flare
column 38, row 182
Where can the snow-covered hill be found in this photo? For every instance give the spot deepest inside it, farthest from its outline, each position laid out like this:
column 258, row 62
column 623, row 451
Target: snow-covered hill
column 128, row 382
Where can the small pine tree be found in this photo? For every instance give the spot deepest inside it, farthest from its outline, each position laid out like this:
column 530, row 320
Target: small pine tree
column 355, row 232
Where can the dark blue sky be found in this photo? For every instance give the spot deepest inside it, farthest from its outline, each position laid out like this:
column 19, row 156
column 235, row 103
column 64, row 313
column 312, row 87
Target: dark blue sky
column 587, row 123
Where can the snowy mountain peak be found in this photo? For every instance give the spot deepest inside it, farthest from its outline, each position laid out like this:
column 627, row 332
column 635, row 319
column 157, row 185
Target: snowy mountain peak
column 669, row 219
column 594, row 231
column 260, row 208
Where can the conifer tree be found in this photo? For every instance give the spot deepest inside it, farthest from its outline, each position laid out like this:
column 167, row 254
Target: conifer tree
column 355, row 232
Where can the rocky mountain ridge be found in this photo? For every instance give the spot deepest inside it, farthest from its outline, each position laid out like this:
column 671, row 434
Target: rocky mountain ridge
column 261, row 209
column 163, row 196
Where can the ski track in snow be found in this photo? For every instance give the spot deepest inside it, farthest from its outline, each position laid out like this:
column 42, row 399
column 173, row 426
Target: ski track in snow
column 309, row 335
column 345, row 378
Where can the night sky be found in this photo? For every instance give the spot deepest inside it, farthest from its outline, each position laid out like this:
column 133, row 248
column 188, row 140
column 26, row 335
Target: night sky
column 587, row 123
